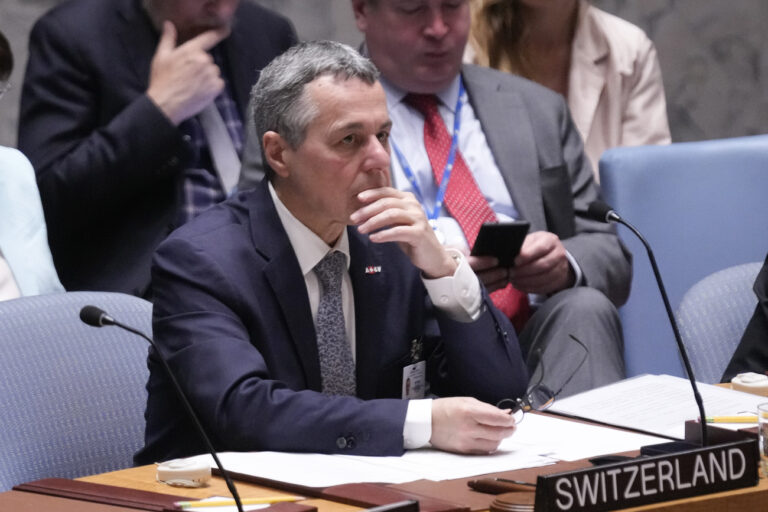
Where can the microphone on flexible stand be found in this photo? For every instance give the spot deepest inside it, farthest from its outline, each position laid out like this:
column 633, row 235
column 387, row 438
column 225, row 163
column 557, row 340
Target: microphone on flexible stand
column 599, row 211
column 97, row 317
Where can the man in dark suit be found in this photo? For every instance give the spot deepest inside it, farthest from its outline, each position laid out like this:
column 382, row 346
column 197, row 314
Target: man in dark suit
column 752, row 353
column 112, row 120
column 241, row 297
column 525, row 160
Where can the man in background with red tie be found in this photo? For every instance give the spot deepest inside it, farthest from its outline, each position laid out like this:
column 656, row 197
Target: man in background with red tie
column 516, row 155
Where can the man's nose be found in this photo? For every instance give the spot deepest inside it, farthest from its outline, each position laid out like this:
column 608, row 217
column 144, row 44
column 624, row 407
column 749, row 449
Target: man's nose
column 436, row 26
column 377, row 156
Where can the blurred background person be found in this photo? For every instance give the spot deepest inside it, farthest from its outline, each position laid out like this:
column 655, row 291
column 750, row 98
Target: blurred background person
column 751, row 354
column 132, row 114
column 606, row 67
column 516, row 155
column 26, row 266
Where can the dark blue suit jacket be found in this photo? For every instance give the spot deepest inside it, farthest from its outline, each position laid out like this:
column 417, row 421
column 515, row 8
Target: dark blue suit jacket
column 232, row 315
column 109, row 164
column 751, row 354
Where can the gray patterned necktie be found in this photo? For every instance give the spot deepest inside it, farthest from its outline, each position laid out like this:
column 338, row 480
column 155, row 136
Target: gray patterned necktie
column 337, row 368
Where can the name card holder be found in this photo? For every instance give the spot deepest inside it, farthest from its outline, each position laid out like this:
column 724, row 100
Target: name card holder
column 646, row 480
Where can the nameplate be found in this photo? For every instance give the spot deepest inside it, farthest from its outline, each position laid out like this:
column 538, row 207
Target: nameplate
column 650, row 479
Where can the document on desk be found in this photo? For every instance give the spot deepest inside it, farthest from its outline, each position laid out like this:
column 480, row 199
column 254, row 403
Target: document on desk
column 539, row 440
column 658, row 404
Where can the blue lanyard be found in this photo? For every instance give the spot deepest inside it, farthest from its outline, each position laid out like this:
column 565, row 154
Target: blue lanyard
column 411, row 176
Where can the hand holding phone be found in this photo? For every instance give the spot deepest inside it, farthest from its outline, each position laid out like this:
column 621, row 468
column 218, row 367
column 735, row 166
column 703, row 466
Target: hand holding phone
column 502, row 240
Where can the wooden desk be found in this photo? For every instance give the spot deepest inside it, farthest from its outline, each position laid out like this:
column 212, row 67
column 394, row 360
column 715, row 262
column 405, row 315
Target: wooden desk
column 741, row 500
column 143, row 478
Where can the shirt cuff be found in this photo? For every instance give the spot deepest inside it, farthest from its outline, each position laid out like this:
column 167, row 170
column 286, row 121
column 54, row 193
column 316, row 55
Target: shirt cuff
column 579, row 275
column 417, row 429
column 459, row 295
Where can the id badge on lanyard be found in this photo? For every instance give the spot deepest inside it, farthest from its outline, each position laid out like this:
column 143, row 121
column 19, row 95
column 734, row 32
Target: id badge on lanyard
column 415, row 373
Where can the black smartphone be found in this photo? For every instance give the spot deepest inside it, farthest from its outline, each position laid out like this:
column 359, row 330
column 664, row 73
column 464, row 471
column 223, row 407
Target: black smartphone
column 502, row 240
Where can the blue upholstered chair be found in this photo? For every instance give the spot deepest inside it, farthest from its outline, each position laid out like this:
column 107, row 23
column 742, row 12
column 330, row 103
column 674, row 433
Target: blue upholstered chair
column 72, row 397
column 713, row 315
column 703, row 206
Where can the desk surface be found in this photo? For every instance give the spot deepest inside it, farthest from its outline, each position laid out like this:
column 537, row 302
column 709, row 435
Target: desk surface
column 752, row 498
column 143, row 478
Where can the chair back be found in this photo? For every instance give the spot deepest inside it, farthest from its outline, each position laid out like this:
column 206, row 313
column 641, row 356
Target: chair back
column 72, row 397
column 703, row 207
column 713, row 315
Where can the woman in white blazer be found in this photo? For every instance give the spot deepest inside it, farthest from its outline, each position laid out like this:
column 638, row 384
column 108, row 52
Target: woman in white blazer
column 26, row 265
column 606, row 67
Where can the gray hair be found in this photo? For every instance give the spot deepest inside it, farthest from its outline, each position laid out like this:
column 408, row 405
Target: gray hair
column 279, row 101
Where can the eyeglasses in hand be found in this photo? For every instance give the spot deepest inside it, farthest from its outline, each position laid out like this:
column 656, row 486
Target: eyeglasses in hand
column 540, row 396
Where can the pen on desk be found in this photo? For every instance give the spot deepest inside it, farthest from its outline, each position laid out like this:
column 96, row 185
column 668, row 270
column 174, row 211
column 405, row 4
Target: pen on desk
column 246, row 501
column 731, row 419
column 500, row 485
column 516, row 482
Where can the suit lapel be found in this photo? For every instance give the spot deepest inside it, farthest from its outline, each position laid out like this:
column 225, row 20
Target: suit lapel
column 138, row 38
column 283, row 274
column 589, row 58
column 509, row 133
column 370, row 322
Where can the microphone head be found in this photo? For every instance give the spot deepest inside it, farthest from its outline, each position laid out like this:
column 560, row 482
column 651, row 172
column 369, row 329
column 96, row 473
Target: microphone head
column 93, row 316
column 599, row 211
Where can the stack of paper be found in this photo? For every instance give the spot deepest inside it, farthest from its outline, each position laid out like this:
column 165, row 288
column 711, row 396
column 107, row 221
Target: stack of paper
column 659, row 404
column 538, row 441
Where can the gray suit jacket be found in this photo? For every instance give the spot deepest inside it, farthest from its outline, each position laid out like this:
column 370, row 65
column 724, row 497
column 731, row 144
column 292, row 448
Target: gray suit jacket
column 541, row 156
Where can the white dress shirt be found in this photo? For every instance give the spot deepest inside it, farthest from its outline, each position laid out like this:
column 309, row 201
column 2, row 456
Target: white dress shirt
column 458, row 295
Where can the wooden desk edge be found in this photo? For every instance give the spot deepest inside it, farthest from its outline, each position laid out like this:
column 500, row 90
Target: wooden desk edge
column 143, row 478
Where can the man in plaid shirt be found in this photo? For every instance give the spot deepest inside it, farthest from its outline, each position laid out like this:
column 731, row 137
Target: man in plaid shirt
column 111, row 114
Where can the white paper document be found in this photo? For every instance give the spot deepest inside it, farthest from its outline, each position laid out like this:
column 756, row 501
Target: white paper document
column 562, row 439
column 538, row 441
column 660, row 404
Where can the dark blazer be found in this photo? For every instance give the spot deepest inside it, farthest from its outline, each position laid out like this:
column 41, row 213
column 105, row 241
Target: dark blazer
column 108, row 162
column 232, row 315
column 752, row 353
column 541, row 157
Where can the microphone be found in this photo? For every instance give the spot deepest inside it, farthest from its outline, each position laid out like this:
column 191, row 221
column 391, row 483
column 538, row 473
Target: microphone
column 601, row 212
column 97, row 317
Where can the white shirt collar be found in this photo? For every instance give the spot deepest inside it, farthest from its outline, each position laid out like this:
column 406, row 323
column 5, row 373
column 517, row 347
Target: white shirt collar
column 447, row 96
column 309, row 247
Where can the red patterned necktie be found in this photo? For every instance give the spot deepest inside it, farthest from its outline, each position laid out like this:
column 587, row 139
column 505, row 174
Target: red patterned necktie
column 463, row 198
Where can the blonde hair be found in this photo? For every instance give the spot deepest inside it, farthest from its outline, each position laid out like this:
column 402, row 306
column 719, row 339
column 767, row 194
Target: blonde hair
column 498, row 32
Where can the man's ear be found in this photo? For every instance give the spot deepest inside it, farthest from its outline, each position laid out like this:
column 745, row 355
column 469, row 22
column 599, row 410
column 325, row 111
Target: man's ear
column 275, row 149
column 360, row 10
